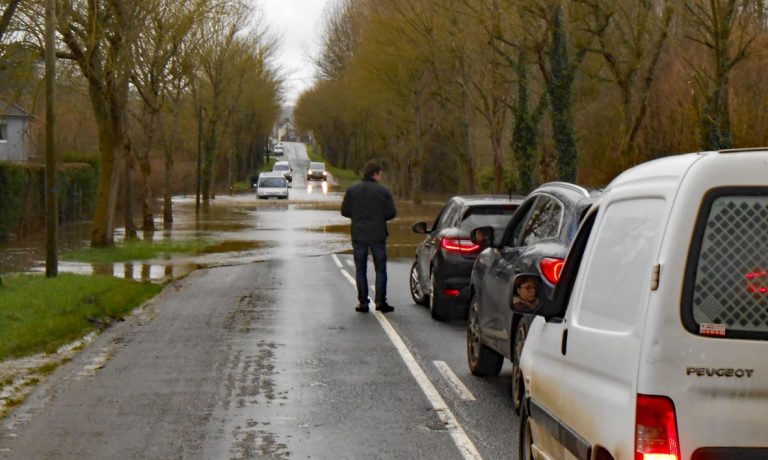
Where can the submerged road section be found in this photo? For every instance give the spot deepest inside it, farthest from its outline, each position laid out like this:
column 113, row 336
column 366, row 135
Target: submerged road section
column 268, row 359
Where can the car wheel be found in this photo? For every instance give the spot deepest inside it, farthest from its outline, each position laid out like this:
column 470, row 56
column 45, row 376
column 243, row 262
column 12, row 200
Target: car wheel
column 518, row 385
column 481, row 359
column 435, row 306
column 417, row 290
column 525, row 440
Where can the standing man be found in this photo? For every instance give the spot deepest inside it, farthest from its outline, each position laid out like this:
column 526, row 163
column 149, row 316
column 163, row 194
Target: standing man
column 370, row 205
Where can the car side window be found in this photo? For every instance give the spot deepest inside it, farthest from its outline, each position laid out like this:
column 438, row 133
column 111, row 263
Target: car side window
column 516, row 224
column 444, row 215
column 629, row 235
column 543, row 221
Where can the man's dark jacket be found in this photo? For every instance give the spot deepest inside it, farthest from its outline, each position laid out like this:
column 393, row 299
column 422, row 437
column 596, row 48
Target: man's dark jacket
column 369, row 205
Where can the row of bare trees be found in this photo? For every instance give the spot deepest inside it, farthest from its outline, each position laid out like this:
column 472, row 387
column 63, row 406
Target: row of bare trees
column 150, row 70
column 464, row 95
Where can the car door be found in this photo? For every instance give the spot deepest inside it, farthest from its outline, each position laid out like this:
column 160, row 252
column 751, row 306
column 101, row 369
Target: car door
column 431, row 244
column 542, row 223
column 493, row 291
column 594, row 354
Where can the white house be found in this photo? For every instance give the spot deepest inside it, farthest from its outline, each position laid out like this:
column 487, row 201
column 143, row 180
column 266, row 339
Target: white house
column 13, row 132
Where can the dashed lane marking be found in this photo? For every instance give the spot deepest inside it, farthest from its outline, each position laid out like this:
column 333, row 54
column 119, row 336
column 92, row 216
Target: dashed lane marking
column 454, row 381
column 337, row 261
column 459, row 436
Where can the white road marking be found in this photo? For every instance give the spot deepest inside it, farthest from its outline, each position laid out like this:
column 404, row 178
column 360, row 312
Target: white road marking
column 351, row 263
column 460, row 438
column 349, row 277
column 337, row 261
column 454, row 381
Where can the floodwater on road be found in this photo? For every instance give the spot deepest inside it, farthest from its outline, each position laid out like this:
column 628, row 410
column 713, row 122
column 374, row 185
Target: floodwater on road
column 238, row 229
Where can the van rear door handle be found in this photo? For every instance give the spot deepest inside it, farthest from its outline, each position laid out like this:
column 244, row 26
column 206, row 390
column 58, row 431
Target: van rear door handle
column 564, row 343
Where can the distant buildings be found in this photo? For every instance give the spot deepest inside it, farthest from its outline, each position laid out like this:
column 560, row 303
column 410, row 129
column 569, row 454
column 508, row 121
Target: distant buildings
column 287, row 132
column 14, row 134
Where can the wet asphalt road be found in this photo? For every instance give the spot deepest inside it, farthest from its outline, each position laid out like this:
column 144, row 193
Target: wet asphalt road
column 267, row 359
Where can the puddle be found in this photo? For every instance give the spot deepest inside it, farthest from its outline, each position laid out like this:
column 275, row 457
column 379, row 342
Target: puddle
column 243, row 229
column 233, row 246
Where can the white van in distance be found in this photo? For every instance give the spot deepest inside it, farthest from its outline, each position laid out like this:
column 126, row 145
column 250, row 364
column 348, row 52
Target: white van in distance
column 655, row 345
column 272, row 185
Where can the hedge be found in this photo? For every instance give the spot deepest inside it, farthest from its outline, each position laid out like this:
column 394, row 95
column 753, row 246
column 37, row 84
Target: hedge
column 22, row 195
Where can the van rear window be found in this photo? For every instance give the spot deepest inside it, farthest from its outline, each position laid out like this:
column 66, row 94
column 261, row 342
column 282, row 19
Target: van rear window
column 726, row 292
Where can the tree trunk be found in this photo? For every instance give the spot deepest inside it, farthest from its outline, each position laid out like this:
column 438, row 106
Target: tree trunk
column 524, row 134
column 102, row 229
column 209, row 154
column 416, row 178
column 145, row 168
column 560, row 87
column 130, row 224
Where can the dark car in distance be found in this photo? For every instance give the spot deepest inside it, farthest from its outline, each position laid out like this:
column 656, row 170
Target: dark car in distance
column 535, row 241
column 441, row 270
column 316, row 171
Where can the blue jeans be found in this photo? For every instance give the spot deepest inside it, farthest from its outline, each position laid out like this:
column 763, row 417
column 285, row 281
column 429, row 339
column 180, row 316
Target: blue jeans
column 360, row 251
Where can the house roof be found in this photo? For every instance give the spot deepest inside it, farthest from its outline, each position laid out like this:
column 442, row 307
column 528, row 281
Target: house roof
column 13, row 110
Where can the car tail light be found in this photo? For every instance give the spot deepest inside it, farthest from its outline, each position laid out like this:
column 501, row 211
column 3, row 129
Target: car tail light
column 451, row 292
column 551, row 268
column 459, row 245
column 656, row 429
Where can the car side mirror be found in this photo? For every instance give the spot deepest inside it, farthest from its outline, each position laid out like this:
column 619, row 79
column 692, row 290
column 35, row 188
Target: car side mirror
column 419, row 227
column 528, row 297
column 482, row 236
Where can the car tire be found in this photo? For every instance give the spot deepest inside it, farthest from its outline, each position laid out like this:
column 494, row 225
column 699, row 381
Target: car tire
column 482, row 360
column 525, row 439
column 417, row 290
column 435, row 305
column 518, row 384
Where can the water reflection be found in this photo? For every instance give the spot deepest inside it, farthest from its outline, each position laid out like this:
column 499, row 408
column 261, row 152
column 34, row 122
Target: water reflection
column 241, row 229
column 129, row 270
column 313, row 187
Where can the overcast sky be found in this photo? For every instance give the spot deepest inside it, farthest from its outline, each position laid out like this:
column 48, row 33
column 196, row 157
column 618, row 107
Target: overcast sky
column 298, row 24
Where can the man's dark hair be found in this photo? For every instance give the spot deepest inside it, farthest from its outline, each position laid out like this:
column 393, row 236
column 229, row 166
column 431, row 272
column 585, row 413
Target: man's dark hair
column 370, row 169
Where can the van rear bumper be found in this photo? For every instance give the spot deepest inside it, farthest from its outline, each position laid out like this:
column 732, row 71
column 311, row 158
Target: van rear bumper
column 730, row 453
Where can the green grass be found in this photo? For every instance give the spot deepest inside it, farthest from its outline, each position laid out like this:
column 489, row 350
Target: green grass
column 267, row 166
column 345, row 177
column 39, row 314
column 241, row 186
column 134, row 250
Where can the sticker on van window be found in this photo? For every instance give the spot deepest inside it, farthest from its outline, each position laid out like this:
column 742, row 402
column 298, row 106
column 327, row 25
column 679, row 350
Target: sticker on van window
column 712, row 329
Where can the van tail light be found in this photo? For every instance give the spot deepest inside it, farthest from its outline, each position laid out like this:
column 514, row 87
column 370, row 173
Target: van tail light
column 459, row 245
column 656, row 429
column 551, row 268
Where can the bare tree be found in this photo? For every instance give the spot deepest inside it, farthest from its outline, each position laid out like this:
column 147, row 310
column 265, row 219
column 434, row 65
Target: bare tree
column 726, row 29
column 5, row 19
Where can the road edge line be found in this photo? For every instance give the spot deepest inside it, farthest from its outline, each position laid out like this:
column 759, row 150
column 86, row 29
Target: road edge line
column 460, row 439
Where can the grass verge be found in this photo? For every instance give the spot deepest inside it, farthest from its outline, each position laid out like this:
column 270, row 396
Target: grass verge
column 134, row 250
column 62, row 309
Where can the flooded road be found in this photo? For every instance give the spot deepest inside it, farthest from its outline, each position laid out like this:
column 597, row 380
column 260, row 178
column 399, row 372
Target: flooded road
column 238, row 229
column 260, row 354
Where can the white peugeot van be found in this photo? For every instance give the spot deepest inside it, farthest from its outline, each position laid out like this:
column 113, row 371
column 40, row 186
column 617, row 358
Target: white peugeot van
column 655, row 345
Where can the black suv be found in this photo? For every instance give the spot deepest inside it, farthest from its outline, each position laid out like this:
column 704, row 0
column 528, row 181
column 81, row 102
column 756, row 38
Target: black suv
column 535, row 241
column 440, row 272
